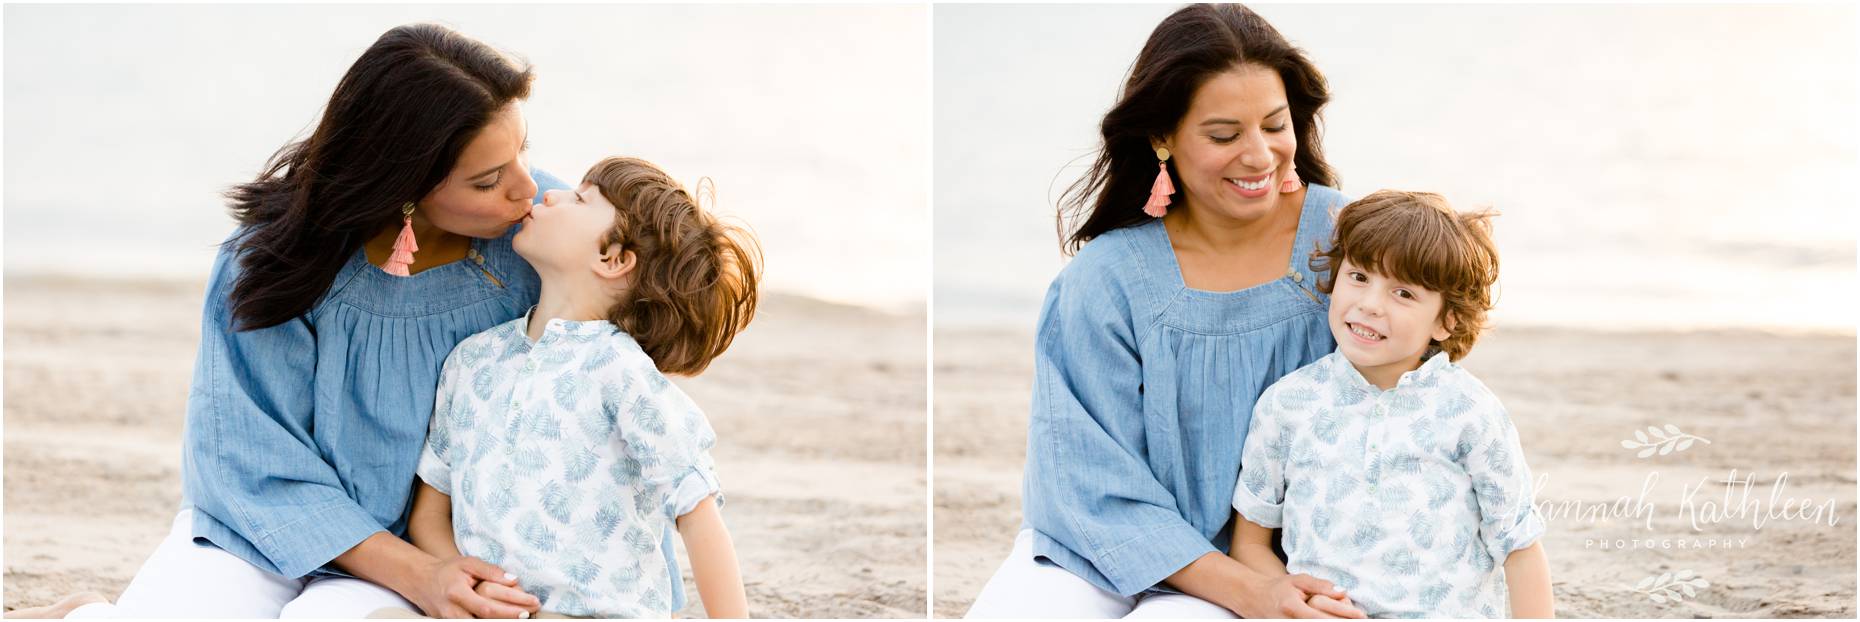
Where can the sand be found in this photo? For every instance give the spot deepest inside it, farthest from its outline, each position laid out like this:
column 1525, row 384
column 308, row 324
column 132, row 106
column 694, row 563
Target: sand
column 1769, row 405
column 819, row 409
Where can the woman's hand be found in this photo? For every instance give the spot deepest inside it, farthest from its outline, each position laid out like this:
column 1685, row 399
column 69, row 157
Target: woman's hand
column 1336, row 606
column 1219, row 579
column 446, row 590
column 512, row 596
column 1300, row 596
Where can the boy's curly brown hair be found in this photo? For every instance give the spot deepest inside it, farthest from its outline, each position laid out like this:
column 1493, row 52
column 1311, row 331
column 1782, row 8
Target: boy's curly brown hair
column 1417, row 238
column 695, row 284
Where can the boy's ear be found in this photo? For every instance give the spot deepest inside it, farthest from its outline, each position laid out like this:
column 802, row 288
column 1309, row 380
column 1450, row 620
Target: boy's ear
column 1444, row 328
column 614, row 263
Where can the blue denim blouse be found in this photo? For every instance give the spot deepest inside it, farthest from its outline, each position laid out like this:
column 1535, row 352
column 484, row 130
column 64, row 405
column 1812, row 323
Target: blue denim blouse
column 302, row 438
column 1143, row 390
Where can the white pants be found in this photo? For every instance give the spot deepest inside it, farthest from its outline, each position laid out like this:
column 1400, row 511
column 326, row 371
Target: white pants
column 1025, row 588
column 186, row 580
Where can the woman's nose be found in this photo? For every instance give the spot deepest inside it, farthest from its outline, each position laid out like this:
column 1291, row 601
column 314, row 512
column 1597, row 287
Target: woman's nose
column 1255, row 155
column 525, row 188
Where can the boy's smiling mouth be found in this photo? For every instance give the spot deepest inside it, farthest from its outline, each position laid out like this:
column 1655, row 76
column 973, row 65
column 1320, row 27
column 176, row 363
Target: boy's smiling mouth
column 1364, row 332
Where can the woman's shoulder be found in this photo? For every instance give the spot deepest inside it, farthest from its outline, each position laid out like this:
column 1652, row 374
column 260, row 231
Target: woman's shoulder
column 1116, row 263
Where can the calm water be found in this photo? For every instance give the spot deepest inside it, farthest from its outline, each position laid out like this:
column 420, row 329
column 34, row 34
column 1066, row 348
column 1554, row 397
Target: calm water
column 124, row 123
column 1658, row 167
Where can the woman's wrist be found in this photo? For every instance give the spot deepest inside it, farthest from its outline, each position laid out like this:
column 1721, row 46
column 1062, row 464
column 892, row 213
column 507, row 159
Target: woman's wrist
column 379, row 560
column 1218, row 579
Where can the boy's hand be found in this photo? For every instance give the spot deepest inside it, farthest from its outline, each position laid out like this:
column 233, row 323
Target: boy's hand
column 1341, row 607
column 509, row 595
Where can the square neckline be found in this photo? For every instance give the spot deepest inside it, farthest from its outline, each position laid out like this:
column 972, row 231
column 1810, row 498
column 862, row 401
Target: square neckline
column 1300, row 238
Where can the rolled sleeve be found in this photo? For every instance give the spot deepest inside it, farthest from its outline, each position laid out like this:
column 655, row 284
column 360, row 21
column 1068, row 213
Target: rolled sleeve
column 1088, row 485
column 693, row 488
column 435, row 467
column 669, row 436
column 250, row 460
column 1259, row 496
column 1502, row 483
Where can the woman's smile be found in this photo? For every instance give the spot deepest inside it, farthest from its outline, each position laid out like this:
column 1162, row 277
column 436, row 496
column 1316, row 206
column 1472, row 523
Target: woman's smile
column 1250, row 187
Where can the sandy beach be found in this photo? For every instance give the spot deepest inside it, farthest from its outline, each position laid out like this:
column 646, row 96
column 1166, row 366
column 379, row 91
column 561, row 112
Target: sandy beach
column 1779, row 411
column 819, row 409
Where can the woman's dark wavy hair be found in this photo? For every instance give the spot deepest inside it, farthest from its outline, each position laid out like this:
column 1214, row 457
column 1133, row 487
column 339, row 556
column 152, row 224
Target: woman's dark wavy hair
column 391, row 133
column 1190, row 46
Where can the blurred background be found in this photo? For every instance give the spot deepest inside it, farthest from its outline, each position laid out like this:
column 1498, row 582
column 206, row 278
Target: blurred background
column 130, row 121
column 1662, row 167
column 1678, row 248
column 125, row 123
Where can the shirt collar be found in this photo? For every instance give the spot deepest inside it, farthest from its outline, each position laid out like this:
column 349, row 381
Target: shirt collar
column 579, row 330
column 1426, row 375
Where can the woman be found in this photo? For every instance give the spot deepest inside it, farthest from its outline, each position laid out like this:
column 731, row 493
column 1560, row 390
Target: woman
column 364, row 254
column 1181, row 307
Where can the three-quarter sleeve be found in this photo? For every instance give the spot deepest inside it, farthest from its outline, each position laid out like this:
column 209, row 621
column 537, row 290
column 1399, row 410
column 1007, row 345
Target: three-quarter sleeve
column 1088, row 484
column 250, row 460
column 1260, row 495
column 1501, row 481
column 666, row 437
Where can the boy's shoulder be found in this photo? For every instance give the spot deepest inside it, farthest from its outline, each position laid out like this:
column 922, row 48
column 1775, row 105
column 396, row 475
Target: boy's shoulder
column 1305, row 387
column 1316, row 375
column 613, row 355
column 1459, row 391
column 485, row 345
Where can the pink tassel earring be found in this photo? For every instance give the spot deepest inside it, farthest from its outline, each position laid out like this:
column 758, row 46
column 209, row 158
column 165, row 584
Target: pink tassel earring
column 1159, row 193
column 1291, row 183
column 404, row 246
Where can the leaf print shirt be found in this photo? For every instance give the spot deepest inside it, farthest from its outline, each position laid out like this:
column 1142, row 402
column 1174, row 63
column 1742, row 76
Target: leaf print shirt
column 1410, row 499
column 568, row 461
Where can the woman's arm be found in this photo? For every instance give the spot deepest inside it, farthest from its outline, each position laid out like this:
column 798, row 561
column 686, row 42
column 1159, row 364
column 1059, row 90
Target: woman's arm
column 1219, row 579
column 1252, row 545
column 440, row 587
column 713, row 561
column 1527, row 576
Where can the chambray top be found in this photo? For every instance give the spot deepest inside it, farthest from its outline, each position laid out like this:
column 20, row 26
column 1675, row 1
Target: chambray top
column 1142, row 392
column 1408, row 498
column 568, row 461
column 301, row 438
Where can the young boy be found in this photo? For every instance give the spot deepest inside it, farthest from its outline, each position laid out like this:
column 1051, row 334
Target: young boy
column 558, row 450
column 1394, row 472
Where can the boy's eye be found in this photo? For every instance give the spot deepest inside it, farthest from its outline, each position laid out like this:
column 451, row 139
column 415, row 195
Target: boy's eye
column 1357, row 276
column 1405, row 294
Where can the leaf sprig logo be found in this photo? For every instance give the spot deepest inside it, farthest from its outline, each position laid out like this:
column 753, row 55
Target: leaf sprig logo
column 1671, row 587
column 1662, row 441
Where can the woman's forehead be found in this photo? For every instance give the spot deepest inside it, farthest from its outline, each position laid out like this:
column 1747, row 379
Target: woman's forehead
column 496, row 145
column 1247, row 92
